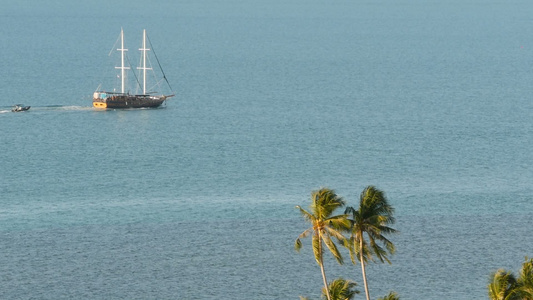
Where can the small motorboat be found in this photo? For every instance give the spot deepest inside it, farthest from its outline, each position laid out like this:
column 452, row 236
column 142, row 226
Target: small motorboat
column 19, row 108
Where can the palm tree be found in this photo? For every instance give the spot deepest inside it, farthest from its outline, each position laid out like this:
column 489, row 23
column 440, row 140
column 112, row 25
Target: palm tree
column 503, row 286
column 373, row 217
column 341, row 289
column 325, row 226
column 525, row 280
column 390, row 296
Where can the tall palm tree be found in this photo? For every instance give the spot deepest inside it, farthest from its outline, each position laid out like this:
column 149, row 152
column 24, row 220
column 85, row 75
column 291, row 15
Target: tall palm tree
column 503, row 286
column 525, row 280
column 341, row 289
column 373, row 217
column 325, row 226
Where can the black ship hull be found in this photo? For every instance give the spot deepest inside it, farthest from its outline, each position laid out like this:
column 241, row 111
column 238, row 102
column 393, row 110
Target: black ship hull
column 129, row 101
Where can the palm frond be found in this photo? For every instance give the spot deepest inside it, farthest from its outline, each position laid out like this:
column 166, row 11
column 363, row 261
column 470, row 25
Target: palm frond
column 502, row 286
column 525, row 279
column 306, row 233
column 332, row 232
column 297, row 245
column 350, row 210
column 317, row 249
column 333, row 249
column 355, row 250
column 348, row 244
column 324, row 202
column 341, row 289
column 391, row 296
column 339, row 222
column 379, row 252
column 307, row 215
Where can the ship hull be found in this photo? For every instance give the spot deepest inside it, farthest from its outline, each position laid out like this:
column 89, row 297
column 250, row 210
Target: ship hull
column 129, row 101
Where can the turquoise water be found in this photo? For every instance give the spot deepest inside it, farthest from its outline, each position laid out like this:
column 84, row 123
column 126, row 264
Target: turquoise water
column 427, row 100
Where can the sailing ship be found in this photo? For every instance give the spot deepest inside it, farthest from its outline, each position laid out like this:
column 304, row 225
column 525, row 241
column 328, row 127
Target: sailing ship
column 123, row 99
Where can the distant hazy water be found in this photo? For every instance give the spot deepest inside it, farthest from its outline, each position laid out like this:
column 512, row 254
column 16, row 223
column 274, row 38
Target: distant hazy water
column 429, row 101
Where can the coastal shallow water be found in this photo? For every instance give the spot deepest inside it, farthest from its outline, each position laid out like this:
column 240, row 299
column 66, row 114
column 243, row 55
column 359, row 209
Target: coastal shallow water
column 427, row 101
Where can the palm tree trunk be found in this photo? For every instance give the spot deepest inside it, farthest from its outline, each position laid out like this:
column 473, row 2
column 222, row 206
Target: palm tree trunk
column 361, row 259
column 322, row 266
column 324, row 278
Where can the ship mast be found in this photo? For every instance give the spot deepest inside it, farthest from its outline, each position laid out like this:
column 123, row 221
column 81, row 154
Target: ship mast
column 144, row 68
column 122, row 67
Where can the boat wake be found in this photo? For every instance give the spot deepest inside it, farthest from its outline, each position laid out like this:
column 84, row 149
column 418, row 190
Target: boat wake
column 64, row 107
column 49, row 108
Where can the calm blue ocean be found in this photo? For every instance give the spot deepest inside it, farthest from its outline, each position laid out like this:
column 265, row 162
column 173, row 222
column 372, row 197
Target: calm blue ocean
column 429, row 101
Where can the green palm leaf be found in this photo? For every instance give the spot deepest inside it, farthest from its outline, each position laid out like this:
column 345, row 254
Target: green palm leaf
column 341, row 289
column 502, row 286
column 391, row 296
column 525, row 279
